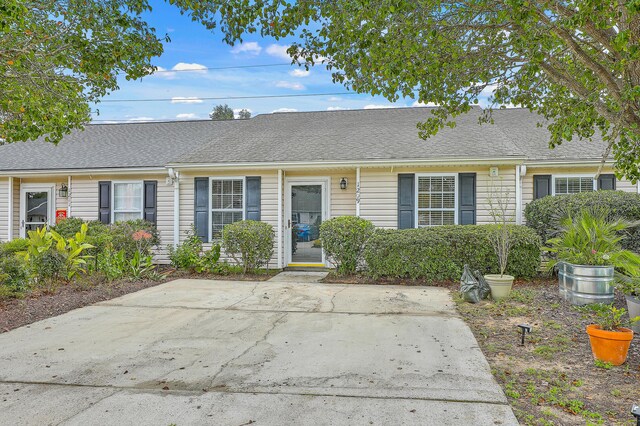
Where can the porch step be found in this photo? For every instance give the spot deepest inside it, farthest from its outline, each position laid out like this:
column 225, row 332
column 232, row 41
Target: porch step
column 307, row 269
column 299, row 277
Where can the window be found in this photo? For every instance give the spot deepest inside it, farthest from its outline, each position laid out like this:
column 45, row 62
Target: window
column 436, row 200
column 227, row 203
column 564, row 185
column 127, row 201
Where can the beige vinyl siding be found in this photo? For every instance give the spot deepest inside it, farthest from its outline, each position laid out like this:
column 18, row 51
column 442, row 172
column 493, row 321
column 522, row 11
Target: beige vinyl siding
column 268, row 201
column 527, row 180
column 343, row 201
column 4, row 209
column 82, row 201
column 379, row 191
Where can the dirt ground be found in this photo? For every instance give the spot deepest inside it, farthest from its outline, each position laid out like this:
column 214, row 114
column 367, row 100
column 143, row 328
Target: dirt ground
column 38, row 305
column 552, row 379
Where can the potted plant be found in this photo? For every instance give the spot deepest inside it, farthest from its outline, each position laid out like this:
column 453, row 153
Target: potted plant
column 630, row 287
column 501, row 240
column 588, row 253
column 609, row 337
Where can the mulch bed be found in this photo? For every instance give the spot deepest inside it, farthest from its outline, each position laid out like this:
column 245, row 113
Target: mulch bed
column 552, row 379
column 38, row 305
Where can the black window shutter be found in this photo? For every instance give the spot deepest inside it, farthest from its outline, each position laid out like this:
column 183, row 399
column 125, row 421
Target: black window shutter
column 467, row 198
column 607, row 182
column 150, row 213
column 541, row 186
column 201, row 208
column 252, row 207
column 406, row 201
column 104, row 202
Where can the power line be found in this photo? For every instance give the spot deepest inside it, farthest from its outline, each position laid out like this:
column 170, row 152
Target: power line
column 183, row 99
column 222, row 68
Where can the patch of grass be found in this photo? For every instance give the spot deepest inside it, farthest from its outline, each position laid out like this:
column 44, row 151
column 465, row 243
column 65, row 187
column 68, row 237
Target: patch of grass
column 603, row 364
column 552, row 325
column 546, row 351
column 616, row 393
column 525, row 296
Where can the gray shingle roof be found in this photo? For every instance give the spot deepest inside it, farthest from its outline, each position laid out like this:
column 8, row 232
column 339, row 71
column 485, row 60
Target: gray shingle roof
column 346, row 135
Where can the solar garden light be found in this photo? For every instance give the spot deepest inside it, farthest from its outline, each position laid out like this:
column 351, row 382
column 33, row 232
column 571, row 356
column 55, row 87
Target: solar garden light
column 635, row 410
column 524, row 328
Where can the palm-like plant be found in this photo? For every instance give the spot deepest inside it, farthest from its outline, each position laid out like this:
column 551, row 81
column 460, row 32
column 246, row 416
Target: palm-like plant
column 591, row 238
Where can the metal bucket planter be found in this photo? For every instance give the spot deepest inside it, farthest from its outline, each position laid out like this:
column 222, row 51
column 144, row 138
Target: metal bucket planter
column 633, row 308
column 584, row 284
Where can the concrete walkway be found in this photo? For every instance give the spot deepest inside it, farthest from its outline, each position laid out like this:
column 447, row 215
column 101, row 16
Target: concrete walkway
column 239, row 353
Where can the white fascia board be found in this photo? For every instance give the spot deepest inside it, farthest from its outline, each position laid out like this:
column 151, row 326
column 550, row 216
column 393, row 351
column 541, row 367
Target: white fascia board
column 84, row 172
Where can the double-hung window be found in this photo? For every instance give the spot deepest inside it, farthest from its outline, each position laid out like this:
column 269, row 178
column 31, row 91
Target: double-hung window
column 127, row 201
column 436, row 200
column 227, row 203
column 563, row 185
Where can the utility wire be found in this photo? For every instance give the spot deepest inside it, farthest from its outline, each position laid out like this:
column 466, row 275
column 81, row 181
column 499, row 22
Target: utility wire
column 221, row 68
column 183, row 99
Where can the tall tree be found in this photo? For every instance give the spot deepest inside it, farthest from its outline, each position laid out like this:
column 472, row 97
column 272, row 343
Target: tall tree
column 58, row 56
column 244, row 114
column 221, row 112
column 576, row 62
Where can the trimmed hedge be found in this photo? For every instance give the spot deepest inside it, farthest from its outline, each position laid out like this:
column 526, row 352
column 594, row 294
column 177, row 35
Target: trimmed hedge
column 544, row 214
column 343, row 239
column 249, row 243
column 440, row 253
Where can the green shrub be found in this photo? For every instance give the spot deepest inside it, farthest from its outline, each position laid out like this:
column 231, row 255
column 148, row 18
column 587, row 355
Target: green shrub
column 440, row 253
column 343, row 239
column 187, row 254
column 249, row 243
column 14, row 276
column 209, row 261
column 11, row 248
column 544, row 214
column 134, row 236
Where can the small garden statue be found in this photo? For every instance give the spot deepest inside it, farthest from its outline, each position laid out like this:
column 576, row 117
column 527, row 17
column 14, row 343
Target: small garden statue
column 473, row 290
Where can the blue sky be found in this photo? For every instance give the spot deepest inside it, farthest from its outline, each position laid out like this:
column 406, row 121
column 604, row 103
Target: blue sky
column 193, row 48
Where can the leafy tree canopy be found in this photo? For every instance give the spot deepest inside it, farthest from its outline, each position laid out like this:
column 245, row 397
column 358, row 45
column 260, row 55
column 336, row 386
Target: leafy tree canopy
column 221, row 112
column 244, row 114
column 58, row 56
column 576, row 62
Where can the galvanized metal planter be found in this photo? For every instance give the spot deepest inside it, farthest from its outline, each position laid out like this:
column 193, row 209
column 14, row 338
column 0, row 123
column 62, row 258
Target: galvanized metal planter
column 584, row 284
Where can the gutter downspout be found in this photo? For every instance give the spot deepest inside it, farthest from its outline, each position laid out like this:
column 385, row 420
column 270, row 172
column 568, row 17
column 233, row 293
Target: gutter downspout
column 280, row 201
column 175, row 178
column 10, row 210
column 357, row 191
column 518, row 195
column 69, row 194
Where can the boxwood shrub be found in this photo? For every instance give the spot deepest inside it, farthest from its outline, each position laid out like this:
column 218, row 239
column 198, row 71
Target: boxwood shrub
column 544, row 214
column 440, row 253
column 343, row 239
column 249, row 243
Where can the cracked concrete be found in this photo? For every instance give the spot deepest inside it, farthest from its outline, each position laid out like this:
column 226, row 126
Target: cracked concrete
column 277, row 352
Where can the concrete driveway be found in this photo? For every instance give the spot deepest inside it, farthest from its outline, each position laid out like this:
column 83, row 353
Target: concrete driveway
column 239, row 353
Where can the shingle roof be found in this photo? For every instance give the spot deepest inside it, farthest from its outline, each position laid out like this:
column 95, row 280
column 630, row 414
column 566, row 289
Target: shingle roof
column 346, row 135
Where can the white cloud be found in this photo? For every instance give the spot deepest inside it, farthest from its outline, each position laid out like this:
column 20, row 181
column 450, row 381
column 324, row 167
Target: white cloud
column 422, row 104
column 250, row 48
column 378, row 106
column 278, row 51
column 186, row 100
column 290, row 85
column 335, row 108
column 183, row 66
column 299, row 72
column 284, row 110
column 140, row 119
column 164, row 73
column 334, row 99
column 187, row 116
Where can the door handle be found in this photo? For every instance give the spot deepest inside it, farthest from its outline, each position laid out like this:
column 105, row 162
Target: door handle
column 22, row 224
column 289, row 224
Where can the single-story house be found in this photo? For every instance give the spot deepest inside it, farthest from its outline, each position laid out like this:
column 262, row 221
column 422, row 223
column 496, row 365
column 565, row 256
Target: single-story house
column 293, row 170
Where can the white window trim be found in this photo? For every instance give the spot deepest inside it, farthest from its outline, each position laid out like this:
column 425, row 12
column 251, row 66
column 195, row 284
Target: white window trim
column 571, row 175
column 417, row 209
column 113, row 196
column 244, row 199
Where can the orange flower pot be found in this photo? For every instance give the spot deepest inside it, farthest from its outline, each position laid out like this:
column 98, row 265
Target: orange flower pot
column 610, row 346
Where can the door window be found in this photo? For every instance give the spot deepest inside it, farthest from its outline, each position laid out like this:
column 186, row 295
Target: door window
column 306, row 218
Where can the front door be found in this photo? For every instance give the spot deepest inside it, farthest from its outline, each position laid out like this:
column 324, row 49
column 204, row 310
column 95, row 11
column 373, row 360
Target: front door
column 36, row 206
column 306, row 209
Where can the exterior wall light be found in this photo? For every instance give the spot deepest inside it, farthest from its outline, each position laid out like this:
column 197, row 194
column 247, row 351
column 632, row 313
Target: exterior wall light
column 63, row 192
column 343, row 183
